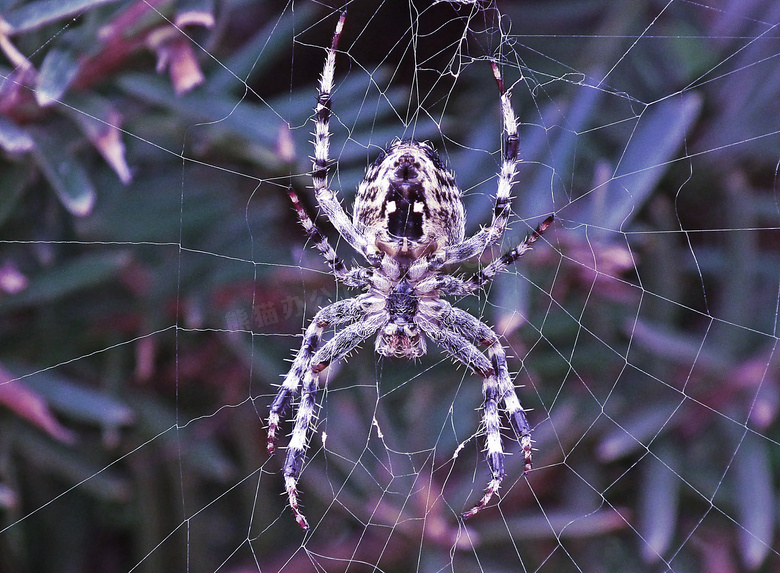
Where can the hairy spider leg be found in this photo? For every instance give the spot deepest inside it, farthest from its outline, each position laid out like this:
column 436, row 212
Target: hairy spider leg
column 491, row 234
column 347, row 310
column 456, row 286
column 459, row 348
column 498, row 390
column 478, row 332
column 335, row 349
column 510, row 257
column 326, row 198
column 356, row 277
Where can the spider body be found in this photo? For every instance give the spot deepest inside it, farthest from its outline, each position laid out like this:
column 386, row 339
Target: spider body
column 408, row 222
column 408, row 204
column 401, row 337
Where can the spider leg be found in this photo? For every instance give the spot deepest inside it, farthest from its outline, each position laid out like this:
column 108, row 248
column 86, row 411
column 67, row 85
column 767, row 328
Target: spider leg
column 509, row 258
column 478, row 332
column 347, row 310
column 458, row 333
column 326, row 198
column 335, row 349
column 492, row 234
column 356, row 277
column 452, row 285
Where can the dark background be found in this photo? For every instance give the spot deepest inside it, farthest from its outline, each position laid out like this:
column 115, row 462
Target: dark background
column 144, row 323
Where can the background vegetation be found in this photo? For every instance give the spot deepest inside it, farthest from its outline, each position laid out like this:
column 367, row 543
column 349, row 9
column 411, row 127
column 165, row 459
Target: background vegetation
column 153, row 281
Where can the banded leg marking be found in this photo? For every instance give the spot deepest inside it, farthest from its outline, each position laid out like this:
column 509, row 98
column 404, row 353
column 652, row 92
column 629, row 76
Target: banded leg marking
column 498, row 391
column 347, row 310
column 335, row 349
column 357, row 277
column 326, row 198
column 492, row 233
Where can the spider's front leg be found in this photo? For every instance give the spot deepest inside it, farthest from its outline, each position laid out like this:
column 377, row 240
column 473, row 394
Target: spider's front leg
column 343, row 311
column 335, row 349
column 457, row 332
column 509, row 258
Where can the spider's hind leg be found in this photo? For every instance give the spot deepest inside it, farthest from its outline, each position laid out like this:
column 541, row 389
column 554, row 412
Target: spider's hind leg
column 494, row 451
column 326, row 197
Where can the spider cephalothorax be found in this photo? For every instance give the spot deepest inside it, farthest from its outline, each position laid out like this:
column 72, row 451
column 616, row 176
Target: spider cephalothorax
column 408, row 222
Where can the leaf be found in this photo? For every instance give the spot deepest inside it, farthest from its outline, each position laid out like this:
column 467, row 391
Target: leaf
column 58, row 70
column 576, row 119
column 660, row 131
column 635, row 432
column 675, row 347
column 14, row 139
column 756, row 500
column 175, row 54
column 78, row 401
column 30, row 405
column 37, row 14
column 258, row 124
column 12, row 280
column 659, row 496
column 195, row 13
column 67, row 278
column 65, row 173
column 12, row 186
column 99, row 121
column 8, row 497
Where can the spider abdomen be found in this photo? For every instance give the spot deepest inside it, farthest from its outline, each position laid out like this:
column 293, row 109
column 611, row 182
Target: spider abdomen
column 405, row 210
column 409, row 205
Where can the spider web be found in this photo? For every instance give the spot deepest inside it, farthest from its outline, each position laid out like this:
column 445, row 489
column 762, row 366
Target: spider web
column 154, row 282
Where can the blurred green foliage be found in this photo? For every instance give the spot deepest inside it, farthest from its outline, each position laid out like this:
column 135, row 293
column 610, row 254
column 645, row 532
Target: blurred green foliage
column 153, row 281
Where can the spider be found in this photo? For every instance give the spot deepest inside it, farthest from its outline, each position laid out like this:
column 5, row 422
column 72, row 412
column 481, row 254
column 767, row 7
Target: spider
column 408, row 222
